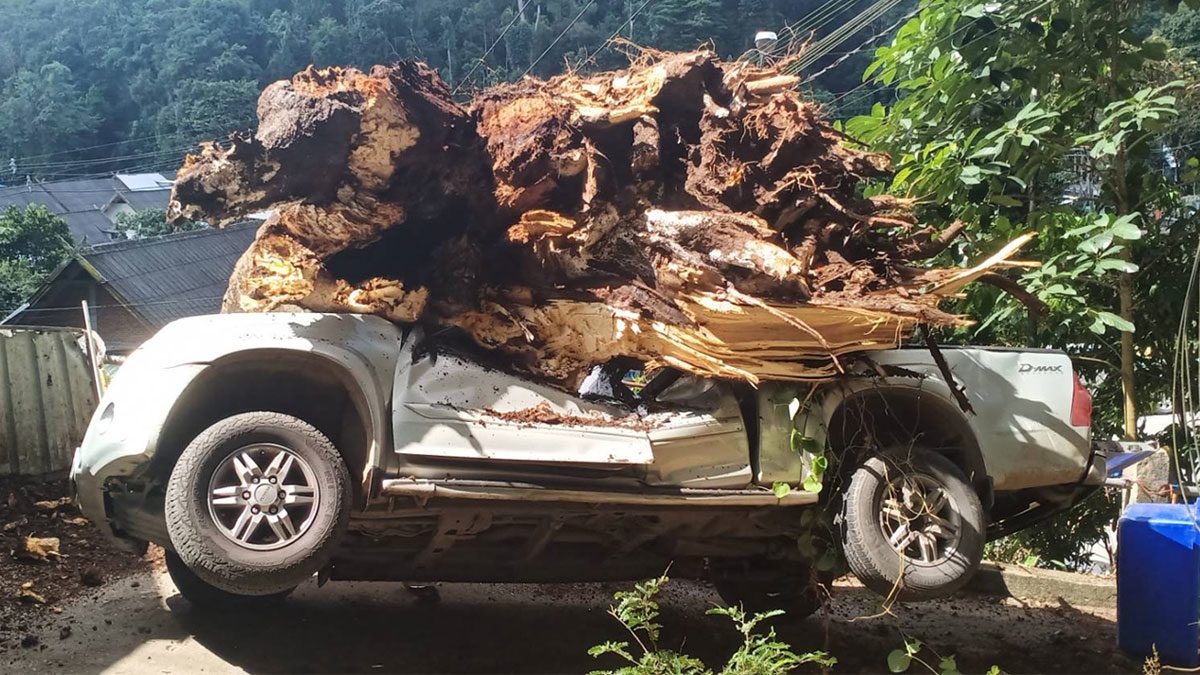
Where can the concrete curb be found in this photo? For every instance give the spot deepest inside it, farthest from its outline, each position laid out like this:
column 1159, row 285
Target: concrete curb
column 1028, row 583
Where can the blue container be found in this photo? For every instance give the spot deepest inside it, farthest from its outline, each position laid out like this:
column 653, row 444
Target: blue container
column 1158, row 583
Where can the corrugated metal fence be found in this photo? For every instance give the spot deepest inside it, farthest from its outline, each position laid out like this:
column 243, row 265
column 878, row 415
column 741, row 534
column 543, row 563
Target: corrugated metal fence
column 47, row 396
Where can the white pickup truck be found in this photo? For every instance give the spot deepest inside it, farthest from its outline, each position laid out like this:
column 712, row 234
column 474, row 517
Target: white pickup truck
column 261, row 449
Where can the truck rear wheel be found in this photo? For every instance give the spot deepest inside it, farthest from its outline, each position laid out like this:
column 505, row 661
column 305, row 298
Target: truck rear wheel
column 257, row 502
column 913, row 528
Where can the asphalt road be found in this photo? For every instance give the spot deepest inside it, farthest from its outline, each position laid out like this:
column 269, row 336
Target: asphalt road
column 140, row 625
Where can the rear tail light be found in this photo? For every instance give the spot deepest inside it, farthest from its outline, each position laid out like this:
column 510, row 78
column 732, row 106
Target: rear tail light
column 1081, row 404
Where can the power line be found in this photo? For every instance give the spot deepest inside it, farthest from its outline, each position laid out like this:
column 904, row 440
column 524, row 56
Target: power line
column 560, row 36
column 105, row 160
column 845, row 32
column 215, row 129
column 807, row 24
column 72, row 178
column 617, row 32
column 842, row 33
column 951, row 36
column 75, row 308
column 478, row 63
column 830, row 18
column 89, row 147
column 869, row 41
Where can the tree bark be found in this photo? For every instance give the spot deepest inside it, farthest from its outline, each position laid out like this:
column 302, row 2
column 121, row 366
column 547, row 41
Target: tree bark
column 1120, row 183
column 1128, row 357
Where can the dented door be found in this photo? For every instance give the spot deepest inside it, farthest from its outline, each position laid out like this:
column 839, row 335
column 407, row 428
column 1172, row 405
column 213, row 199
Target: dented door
column 452, row 407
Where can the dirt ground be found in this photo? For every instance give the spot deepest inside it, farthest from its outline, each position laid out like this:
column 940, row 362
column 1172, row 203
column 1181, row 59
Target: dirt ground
column 139, row 624
column 38, row 577
column 135, row 621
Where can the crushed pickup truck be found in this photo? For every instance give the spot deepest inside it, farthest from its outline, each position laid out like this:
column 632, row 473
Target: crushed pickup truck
column 260, row 449
column 485, row 281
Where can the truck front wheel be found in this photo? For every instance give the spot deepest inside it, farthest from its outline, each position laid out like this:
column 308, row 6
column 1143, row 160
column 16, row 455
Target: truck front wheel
column 257, row 502
column 205, row 596
column 913, row 528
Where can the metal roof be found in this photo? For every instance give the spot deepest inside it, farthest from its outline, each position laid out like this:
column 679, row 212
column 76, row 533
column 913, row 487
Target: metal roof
column 82, row 195
column 88, row 227
column 143, row 181
column 80, row 201
column 21, row 196
column 147, row 199
column 176, row 275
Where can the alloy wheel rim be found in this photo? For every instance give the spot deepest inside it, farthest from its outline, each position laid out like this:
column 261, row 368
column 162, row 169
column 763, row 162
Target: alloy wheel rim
column 263, row 496
column 920, row 519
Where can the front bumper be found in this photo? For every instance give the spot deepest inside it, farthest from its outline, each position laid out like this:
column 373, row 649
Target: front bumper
column 110, row 471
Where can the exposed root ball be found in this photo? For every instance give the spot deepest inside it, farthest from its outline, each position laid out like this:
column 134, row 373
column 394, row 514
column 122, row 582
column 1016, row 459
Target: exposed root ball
column 686, row 212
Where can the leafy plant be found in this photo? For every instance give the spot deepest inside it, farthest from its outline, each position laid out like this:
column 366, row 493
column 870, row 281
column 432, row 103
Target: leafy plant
column 1064, row 541
column 1051, row 116
column 150, row 223
column 761, row 653
column 816, row 462
column 900, row 660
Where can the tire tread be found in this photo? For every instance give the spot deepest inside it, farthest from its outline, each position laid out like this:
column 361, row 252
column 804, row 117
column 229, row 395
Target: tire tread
column 865, row 555
column 208, row 562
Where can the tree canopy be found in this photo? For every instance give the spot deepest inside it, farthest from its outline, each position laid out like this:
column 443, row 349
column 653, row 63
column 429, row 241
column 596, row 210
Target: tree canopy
column 33, row 242
column 1069, row 118
column 101, row 85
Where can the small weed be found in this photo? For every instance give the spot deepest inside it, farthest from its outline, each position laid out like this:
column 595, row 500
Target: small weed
column 900, row 660
column 761, row 653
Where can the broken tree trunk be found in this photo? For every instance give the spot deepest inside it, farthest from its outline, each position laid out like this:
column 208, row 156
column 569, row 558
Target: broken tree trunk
column 685, row 212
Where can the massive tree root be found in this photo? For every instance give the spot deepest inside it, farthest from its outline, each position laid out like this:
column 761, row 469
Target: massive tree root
column 686, row 212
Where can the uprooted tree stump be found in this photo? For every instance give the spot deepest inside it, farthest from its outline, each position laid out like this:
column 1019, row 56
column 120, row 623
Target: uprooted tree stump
column 686, row 212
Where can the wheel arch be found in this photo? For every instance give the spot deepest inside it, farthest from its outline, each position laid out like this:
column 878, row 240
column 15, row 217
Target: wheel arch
column 897, row 415
column 307, row 385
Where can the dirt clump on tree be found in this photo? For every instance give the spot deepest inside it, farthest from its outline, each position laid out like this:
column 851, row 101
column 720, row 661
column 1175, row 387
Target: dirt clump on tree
column 686, row 212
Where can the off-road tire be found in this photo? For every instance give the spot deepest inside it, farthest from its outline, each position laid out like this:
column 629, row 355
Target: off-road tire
column 204, row 595
column 797, row 593
column 220, row 562
column 873, row 560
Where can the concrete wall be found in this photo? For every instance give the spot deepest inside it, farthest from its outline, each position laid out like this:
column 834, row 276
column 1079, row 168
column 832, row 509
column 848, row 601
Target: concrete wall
column 47, row 397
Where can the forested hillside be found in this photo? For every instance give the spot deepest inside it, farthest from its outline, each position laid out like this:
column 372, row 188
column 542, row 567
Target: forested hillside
column 88, row 81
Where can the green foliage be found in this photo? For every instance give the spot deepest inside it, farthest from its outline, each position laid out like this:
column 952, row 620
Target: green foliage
column 33, row 243
column 815, row 460
column 1182, row 28
column 43, row 110
column 761, row 653
column 1064, row 541
column 901, row 660
column 196, row 107
column 1004, row 108
column 142, row 80
column 149, row 223
column 995, row 101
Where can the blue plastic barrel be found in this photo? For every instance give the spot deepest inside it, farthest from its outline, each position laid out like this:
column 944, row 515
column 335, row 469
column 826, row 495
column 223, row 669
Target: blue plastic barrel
column 1158, row 583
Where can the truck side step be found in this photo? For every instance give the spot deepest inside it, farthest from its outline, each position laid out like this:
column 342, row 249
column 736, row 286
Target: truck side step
column 423, row 490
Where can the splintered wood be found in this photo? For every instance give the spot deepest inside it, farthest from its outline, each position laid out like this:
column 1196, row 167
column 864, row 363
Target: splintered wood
column 686, row 212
